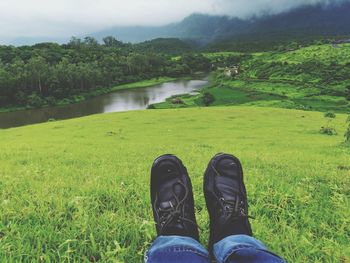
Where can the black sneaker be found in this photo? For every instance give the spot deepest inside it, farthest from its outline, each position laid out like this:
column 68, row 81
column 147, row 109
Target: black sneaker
column 226, row 198
column 172, row 198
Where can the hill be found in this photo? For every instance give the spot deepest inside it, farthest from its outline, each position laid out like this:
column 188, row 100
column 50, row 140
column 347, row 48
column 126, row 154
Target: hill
column 78, row 190
column 310, row 78
column 172, row 46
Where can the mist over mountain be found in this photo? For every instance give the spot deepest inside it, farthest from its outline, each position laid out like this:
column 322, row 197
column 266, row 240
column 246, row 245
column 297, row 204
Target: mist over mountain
column 317, row 20
column 303, row 18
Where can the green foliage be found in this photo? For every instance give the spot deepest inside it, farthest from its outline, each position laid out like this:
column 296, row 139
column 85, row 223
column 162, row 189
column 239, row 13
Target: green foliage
column 329, row 114
column 308, row 78
column 66, row 72
column 78, row 190
column 328, row 131
column 347, row 131
column 34, row 100
column 208, row 99
column 347, row 134
column 196, row 62
column 172, row 46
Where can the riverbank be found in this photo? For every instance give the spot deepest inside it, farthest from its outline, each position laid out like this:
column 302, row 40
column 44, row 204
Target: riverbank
column 130, row 97
column 277, row 93
column 87, row 95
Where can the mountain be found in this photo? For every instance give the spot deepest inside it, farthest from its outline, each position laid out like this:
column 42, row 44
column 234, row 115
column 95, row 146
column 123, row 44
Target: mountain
column 172, row 46
column 306, row 21
column 303, row 22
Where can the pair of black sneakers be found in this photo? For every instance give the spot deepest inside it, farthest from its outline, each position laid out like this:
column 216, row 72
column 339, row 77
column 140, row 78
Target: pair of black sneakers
column 225, row 195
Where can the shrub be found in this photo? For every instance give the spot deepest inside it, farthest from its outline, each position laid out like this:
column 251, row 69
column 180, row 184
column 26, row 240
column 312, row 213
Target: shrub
column 208, row 99
column 347, row 132
column 328, row 131
column 330, row 115
column 50, row 101
column 34, row 100
column 177, row 101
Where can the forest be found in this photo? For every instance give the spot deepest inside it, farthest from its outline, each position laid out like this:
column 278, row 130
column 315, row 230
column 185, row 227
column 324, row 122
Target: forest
column 47, row 73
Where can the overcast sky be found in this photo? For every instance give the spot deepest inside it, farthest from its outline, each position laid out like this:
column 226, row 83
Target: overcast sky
column 62, row 18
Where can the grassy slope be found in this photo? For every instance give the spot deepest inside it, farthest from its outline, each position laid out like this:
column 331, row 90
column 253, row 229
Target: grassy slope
column 143, row 84
column 324, row 53
column 78, row 190
column 284, row 88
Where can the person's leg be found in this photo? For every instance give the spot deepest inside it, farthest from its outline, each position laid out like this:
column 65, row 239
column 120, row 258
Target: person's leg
column 176, row 249
column 173, row 211
column 230, row 231
column 243, row 249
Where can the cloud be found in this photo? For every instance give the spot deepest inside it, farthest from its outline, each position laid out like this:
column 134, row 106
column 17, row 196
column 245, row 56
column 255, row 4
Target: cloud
column 244, row 9
column 62, row 18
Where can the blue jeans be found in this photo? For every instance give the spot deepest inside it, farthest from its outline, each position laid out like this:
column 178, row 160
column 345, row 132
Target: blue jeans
column 232, row 249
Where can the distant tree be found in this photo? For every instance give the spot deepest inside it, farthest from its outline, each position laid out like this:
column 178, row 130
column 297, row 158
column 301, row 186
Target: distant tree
column 208, row 99
column 112, row 42
column 90, row 42
column 35, row 100
column 196, row 62
column 37, row 67
column 75, row 42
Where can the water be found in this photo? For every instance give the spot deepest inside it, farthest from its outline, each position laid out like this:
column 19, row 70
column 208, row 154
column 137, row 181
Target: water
column 123, row 100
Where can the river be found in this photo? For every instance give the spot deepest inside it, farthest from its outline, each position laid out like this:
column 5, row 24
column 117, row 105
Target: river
column 122, row 100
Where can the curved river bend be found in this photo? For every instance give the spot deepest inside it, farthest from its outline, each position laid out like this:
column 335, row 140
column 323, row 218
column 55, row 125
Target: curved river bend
column 123, row 100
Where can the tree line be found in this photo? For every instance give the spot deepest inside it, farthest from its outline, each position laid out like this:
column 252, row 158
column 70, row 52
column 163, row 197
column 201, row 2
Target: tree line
column 46, row 73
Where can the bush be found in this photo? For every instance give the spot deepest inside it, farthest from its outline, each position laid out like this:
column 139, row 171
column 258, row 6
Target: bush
column 177, row 101
column 208, row 99
column 330, row 115
column 34, row 100
column 51, row 101
column 328, row 131
column 347, row 132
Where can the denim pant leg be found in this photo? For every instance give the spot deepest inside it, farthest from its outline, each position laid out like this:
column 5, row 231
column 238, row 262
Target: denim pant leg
column 242, row 248
column 175, row 249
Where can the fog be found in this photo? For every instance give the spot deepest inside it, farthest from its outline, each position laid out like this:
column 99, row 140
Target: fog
column 62, row 18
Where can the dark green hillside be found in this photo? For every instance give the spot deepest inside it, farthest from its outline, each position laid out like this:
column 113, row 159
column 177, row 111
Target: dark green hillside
column 171, row 46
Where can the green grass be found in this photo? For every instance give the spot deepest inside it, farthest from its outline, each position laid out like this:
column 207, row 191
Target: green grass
column 144, row 83
column 324, row 53
column 309, row 78
column 78, row 190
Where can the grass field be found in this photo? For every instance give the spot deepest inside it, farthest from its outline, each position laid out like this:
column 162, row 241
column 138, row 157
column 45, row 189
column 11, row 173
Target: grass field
column 78, row 190
column 309, row 78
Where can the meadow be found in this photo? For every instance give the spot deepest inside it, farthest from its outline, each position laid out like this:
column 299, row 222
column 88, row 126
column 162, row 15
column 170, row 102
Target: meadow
column 78, row 190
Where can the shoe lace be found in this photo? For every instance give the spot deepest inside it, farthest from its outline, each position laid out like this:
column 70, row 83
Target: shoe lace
column 174, row 212
column 233, row 209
